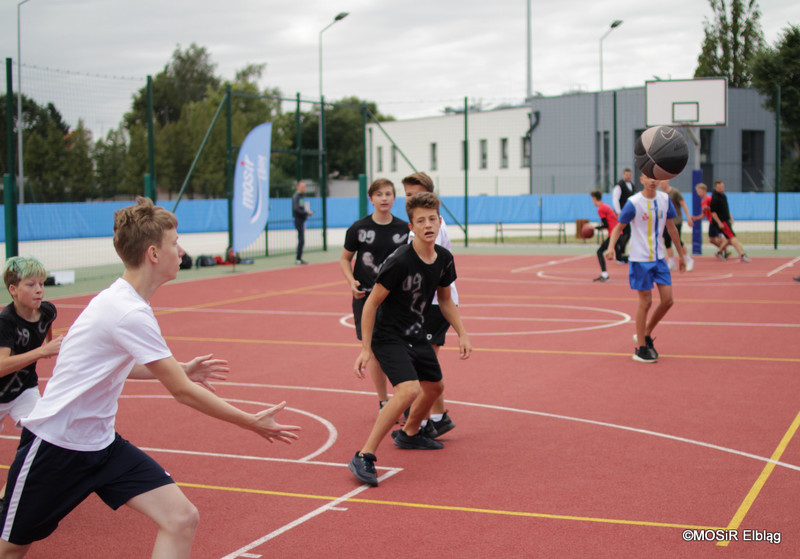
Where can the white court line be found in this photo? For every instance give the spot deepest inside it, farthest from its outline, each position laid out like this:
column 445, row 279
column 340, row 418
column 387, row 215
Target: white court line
column 546, row 414
column 783, row 267
column 314, row 513
column 550, row 263
column 332, row 432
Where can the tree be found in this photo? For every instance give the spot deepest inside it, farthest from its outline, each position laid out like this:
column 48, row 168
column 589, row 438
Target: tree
column 109, row 159
column 37, row 119
column 780, row 66
column 186, row 78
column 731, row 40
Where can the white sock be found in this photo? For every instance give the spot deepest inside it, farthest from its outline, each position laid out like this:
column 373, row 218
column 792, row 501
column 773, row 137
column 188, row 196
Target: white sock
column 423, row 423
column 437, row 416
column 604, row 274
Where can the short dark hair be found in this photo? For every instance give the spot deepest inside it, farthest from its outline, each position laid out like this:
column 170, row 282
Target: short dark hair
column 378, row 183
column 422, row 179
column 424, row 200
column 597, row 195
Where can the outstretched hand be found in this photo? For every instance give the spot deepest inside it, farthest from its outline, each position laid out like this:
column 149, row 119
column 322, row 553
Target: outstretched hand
column 267, row 427
column 203, row 368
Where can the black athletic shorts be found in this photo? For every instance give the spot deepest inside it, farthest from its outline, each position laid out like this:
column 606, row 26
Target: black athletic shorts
column 713, row 230
column 402, row 362
column 358, row 308
column 436, row 325
column 46, row 482
column 668, row 239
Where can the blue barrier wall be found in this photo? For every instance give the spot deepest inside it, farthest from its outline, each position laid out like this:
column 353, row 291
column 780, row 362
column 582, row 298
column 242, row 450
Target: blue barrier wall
column 96, row 219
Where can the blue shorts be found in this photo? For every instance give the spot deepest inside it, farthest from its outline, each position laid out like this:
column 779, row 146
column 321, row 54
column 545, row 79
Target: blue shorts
column 642, row 275
column 46, row 482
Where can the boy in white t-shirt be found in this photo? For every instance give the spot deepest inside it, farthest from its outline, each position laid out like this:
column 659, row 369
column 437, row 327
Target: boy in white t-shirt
column 69, row 447
column 648, row 213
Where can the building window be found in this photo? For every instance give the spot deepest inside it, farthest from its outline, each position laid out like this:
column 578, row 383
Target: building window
column 464, row 155
column 504, row 153
column 526, row 152
column 484, row 154
column 379, row 157
column 434, row 158
column 394, row 159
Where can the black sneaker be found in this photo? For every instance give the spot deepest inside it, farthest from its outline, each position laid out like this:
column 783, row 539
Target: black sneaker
column 363, row 467
column 602, row 278
column 644, row 354
column 417, row 442
column 648, row 342
column 443, row 425
column 721, row 255
column 428, row 430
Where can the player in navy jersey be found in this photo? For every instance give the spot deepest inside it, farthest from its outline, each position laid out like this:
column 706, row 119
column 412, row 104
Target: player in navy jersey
column 393, row 332
column 370, row 241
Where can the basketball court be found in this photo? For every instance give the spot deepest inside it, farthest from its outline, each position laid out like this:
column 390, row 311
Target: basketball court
column 564, row 446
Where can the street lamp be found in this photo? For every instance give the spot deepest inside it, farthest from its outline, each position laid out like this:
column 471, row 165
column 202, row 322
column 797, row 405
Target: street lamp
column 614, row 24
column 19, row 107
column 340, row 16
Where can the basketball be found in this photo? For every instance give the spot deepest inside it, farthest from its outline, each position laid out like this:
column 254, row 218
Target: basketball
column 661, row 152
column 587, row 231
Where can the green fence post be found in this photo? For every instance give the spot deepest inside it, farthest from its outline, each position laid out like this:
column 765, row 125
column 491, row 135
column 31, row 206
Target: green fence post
column 150, row 177
column 229, row 160
column 323, row 175
column 362, row 195
column 777, row 157
column 9, row 179
column 466, row 175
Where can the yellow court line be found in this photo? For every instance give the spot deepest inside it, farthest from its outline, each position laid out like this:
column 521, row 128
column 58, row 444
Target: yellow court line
column 479, row 350
column 249, row 298
column 737, row 519
column 454, row 508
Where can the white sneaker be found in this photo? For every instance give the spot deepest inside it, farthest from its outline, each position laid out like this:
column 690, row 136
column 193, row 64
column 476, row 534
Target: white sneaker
column 670, row 264
column 689, row 264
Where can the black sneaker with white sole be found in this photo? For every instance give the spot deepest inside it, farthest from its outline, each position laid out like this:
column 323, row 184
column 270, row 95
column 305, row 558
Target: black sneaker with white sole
column 363, row 467
column 417, row 442
column 644, row 354
column 648, row 342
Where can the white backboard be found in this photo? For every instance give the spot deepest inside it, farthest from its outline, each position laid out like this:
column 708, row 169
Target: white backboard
column 699, row 102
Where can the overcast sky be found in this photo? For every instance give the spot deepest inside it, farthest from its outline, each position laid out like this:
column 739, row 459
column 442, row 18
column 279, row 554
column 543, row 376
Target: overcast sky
column 411, row 57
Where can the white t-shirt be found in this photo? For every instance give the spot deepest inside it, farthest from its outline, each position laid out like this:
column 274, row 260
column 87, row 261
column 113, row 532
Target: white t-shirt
column 648, row 218
column 116, row 330
column 443, row 240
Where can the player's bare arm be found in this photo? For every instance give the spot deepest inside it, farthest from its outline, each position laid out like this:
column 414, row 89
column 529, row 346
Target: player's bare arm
column 13, row 363
column 347, row 271
column 612, row 240
column 171, row 374
column 450, row 312
column 379, row 293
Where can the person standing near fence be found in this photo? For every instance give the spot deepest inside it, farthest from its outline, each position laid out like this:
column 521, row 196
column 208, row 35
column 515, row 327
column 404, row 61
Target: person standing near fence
column 623, row 190
column 677, row 200
column 300, row 213
column 722, row 217
column 608, row 221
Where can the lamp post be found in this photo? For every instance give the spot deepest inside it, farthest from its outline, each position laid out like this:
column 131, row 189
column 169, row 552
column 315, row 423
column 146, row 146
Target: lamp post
column 340, row 16
column 19, row 106
column 614, row 24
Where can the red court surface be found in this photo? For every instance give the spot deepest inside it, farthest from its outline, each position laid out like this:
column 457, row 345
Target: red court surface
column 565, row 447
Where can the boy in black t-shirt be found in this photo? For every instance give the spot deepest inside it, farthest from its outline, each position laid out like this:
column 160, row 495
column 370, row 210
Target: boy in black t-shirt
column 393, row 330
column 26, row 335
column 371, row 240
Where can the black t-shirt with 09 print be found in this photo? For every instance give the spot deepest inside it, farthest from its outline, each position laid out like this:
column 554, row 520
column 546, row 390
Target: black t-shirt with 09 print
column 411, row 284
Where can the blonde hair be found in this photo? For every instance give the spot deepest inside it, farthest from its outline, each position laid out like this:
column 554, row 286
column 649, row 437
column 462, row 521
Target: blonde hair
column 138, row 227
column 18, row 268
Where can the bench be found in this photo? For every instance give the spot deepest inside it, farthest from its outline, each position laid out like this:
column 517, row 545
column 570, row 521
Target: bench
column 559, row 228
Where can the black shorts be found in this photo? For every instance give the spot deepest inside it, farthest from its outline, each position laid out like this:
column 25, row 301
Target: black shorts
column 402, row 362
column 713, row 230
column 358, row 308
column 668, row 239
column 436, row 325
column 46, row 482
